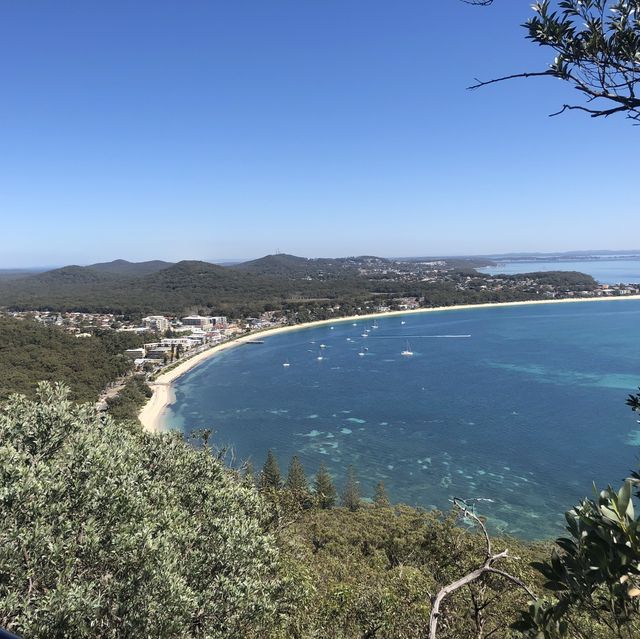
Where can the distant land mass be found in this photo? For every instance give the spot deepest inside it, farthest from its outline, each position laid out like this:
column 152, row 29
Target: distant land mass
column 277, row 282
column 568, row 256
column 16, row 273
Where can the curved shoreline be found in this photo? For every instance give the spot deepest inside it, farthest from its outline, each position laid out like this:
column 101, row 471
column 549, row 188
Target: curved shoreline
column 163, row 396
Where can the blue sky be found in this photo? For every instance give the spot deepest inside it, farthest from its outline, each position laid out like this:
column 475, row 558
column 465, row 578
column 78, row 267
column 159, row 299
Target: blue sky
column 209, row 130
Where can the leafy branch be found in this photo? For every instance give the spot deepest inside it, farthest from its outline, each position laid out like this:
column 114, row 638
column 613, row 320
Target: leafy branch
column 597, row 49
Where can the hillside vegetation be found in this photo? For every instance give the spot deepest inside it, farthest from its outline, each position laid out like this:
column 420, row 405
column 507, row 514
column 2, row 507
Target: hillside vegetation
column 112, row 532
column 108, row 532
column 276, row 282
column 124, row 267
column 30, row 353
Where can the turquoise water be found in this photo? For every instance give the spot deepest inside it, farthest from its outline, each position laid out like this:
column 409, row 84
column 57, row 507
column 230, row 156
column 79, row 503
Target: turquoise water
column 603, row 270
column 526, row 412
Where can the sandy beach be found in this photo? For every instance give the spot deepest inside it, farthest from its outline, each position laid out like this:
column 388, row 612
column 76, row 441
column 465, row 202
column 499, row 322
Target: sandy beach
column 163, row 396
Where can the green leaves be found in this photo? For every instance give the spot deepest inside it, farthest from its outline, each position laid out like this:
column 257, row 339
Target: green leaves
column 111, row 532
column 595, row 571
column 596, row 48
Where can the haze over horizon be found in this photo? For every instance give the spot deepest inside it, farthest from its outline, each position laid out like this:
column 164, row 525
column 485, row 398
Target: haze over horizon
column 165, row 131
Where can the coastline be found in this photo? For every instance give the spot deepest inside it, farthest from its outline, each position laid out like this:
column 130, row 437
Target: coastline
column 163, row 395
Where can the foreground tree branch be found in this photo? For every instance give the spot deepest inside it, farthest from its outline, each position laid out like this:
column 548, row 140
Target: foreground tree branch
column 596, row 46
column 475, row 575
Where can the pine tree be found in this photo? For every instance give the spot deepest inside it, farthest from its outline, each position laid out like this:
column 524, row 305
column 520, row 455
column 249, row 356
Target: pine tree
column 381, row 499
column 324, row 489
column 270, row 476
column 296, row 479
column 351, row 493
column 297, row 483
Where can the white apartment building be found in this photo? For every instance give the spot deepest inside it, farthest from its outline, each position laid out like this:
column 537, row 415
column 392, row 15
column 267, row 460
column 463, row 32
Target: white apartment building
column 155, row 323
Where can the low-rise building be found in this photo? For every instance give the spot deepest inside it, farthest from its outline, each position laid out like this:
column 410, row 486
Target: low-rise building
column 205, row 321
column 197, row 320
column 159, row 352
column 135, row 353
column 173, row 342
column 155, row 323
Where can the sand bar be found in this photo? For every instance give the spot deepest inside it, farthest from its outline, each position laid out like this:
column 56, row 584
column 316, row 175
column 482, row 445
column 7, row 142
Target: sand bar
column 163, row 396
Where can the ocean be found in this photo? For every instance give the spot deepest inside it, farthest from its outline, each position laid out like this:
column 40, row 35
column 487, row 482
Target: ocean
column 520, row 408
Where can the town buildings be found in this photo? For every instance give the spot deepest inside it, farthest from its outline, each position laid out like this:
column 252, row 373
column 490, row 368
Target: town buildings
column 205, row 322
column 156, row 323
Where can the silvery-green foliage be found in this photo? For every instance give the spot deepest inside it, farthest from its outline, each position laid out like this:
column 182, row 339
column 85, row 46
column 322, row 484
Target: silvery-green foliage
column 110, row 532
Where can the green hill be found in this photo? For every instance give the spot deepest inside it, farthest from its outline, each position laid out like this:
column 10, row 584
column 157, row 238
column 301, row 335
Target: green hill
column 292, row 266
column 181, row 287
column 274, row 282
column 130, row 269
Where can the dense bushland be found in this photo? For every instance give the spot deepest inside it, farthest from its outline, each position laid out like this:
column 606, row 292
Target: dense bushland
column 30, row 352
column 111, row 532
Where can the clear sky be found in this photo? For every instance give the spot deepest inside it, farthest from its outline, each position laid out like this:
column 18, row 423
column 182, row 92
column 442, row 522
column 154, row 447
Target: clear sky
column 209, row 130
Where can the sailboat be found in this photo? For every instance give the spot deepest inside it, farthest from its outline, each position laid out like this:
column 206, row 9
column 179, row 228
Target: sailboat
column 320, row 358
column 286, row 364
column 407, row 352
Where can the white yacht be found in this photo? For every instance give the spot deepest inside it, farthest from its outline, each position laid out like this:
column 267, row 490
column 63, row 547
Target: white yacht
column 407, row 352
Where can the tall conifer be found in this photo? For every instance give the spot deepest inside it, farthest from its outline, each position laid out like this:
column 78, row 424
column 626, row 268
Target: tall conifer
column 270, row 476
column 297, row 483
column 324, row 489
column 381, row 499
column 351, row 493
column 296, row 479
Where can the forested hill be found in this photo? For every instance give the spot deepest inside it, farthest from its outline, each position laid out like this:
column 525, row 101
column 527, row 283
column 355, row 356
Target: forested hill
column 291, row 266
column 134, row 269
column 274, row 282
column 30, row 353
column 182, row 287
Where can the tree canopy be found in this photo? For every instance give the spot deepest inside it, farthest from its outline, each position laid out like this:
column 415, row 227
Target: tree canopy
column 111, row 532
column 30, row 352
column 596, row 48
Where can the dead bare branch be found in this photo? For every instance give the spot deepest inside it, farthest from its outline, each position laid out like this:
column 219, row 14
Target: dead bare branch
column 475, row 575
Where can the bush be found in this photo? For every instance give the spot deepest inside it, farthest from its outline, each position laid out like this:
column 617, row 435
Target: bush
column 111, row 532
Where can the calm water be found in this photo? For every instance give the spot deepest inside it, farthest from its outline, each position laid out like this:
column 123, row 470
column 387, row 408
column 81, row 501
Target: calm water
column 527, row 411
column 604, row 271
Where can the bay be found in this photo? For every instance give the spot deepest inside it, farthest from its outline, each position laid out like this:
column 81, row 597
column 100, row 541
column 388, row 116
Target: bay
column 604, row 271
column 523, row 414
